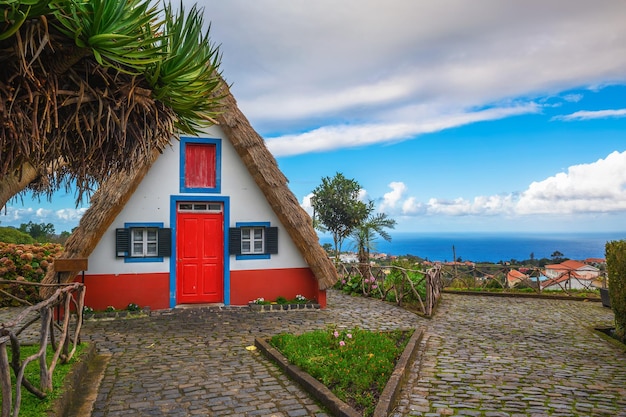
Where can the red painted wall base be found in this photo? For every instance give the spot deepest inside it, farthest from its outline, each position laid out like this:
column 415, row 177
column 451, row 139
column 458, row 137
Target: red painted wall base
column 153, row 289
column 270, row 284
column 120, row 290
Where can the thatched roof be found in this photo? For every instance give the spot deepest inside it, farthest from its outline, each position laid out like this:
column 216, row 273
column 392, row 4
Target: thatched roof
column 263, row 167
column 115, row 192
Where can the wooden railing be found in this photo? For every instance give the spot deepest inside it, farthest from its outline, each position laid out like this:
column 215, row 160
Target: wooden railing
column 486, row 277
column 65, row 332
column 394, row 283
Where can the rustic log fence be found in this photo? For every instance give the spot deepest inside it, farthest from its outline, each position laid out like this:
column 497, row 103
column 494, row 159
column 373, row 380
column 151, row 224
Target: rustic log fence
column 486, row 277
column 66, row 300
column 394, row 283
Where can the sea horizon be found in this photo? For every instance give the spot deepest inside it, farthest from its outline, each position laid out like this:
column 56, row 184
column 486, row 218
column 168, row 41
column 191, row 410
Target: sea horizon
column 491, row 246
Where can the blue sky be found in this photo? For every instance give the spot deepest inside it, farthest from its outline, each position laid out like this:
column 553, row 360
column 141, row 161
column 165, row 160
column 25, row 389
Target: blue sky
column 452, row 115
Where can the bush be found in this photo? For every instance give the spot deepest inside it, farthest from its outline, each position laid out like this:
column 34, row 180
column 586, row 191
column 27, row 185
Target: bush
column 12, row 235
column 616, row 270
column 24, row 262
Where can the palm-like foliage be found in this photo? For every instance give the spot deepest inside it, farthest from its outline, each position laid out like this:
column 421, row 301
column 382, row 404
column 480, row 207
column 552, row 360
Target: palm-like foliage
column 90, row 87
column 186, row 78
column 364, row 237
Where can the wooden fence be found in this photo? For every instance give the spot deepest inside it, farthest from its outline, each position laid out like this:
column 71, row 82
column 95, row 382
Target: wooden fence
column 395, row 283
column 62, row 334
column 496, row 276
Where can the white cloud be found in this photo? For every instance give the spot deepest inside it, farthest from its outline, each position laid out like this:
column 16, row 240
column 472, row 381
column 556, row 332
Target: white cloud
column 306, row 204
column 595, row 187
column 598, row 187
column 62, row 219
column 588, row 115
column 392, row 198
column 344, row 136
column 295, row 66
column 70, row 214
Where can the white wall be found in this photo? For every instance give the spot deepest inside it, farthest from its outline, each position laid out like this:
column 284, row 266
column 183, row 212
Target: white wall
column 151, row 203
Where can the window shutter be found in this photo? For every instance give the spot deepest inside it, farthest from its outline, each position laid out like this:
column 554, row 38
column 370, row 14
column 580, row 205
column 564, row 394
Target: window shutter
column 122, row 243
column 271, row 240
column 234, row 241
column 164, row 242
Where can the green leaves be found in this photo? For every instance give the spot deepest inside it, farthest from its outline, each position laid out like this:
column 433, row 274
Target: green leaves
column 187, row 77
column 13, row 13
column 119, row 32
column 616, row 270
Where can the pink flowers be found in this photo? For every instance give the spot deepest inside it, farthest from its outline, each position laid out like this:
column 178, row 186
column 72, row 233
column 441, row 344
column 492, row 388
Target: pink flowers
column 343, row 337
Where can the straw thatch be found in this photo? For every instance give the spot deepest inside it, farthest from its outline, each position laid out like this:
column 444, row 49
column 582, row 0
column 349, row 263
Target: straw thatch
column 263, row 167
column 115, row 192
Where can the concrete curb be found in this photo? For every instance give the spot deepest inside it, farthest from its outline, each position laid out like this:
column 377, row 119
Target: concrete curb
column 81, row 385
column 337, row 407
column 390, row 395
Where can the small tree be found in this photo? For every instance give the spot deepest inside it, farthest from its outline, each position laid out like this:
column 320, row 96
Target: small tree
column 364, row 237
column 615, row 253
column 338, row 209
column 41, row 232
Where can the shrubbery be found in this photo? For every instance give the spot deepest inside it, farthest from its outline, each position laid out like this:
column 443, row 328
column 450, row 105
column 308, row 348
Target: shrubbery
column 25, row 262
column 616, row 270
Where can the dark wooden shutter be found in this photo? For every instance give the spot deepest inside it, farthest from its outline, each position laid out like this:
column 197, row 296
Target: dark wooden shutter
column 122, row 243
column 164, row 242
column 234, row 241
column 271, row 240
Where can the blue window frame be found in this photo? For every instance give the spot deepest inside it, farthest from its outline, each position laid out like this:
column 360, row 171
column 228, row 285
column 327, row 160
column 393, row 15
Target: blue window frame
column 253, row 240
column 185, row 171
column 143, row 242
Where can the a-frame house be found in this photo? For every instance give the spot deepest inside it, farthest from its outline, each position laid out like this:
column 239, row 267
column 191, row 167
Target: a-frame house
column 209, row 220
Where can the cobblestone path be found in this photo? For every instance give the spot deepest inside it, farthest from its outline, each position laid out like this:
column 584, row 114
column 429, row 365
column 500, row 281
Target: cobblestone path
column 481, row 356
column 194, row 362
column 486, row 356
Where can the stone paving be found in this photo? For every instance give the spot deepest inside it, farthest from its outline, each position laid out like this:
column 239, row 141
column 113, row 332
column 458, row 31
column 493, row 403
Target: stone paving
column 481, row 356
column 194, row 362
column 486, row 356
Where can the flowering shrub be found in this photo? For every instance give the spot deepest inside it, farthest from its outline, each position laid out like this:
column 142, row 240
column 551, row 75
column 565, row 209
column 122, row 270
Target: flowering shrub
column 25, row 262
column 300, row 299
column 133, row 307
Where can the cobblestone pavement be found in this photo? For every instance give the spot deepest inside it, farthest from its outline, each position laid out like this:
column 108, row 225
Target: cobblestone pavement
column 481, row 356
column 485, row 356
column 194, row 362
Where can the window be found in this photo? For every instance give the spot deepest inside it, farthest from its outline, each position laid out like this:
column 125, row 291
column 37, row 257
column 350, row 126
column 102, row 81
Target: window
column 143, row 242
column 253, row 240
column 200, row 165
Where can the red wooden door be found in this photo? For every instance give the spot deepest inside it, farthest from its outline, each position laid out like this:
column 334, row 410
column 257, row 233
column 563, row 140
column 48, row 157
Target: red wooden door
column 199, row 258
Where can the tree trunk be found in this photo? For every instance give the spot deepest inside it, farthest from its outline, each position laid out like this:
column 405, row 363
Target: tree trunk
column 11, row 185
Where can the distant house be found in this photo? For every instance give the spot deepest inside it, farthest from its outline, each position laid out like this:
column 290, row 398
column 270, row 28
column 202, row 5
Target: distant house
column 595, row 261
column 514, row 277
column 570, row 275
column 348, row 258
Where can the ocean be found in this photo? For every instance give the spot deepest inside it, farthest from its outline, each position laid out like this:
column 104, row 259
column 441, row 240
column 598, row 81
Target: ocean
column 491, row 247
